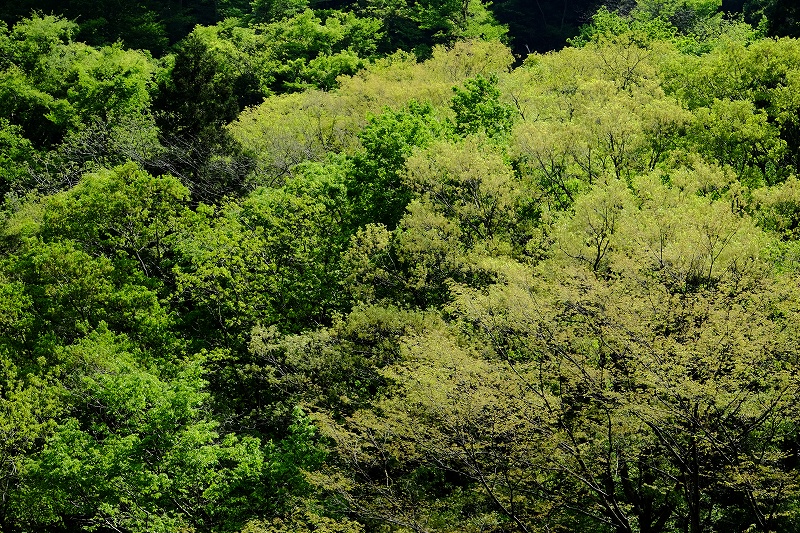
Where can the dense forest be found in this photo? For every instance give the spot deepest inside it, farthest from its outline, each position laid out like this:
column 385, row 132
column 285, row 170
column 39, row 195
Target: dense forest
column 399, row 266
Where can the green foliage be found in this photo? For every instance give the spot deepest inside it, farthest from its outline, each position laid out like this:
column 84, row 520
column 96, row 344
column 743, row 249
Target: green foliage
column 555, row 298
column 275, row 10
column 111, row 84
column 765, row 77
column 151, row 25
column 54, row 85
column 15, row 154
column 375, row 184
column 37, row 37
column 334, row 369
column 419, row 26
column 137, row 452
column 695, row 27
column 28, row 407
column 269, row 259
column 304, row 521
column 478, row 108
column 72, row 106
column 610, row 25
column 308, row 51
column 124, row 214
column 96, row 436
column 746, row 142
column 236, row 66
column 685, row 15
column 71, row 292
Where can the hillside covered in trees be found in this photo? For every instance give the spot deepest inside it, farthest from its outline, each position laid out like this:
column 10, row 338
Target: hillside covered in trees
column 322, row 266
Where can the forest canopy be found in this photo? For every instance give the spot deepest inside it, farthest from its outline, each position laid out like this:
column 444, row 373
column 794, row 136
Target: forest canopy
column 399, row 266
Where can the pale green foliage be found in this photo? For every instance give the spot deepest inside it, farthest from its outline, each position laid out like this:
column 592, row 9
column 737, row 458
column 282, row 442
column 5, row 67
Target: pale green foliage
column 604, row 113
column 550, row 81
column 469, row 183
column 592, row 234
column 395, row 80
column 287, row 130
column 366, row 260
column 685, row 239
column 691, row 241
column 430, row 251
column 612, row 385
column 451, row 407
column 693, row 176
column 411, row 265
column 609, row 131
column 544, row 151
column 720, row 74
column 777, row 208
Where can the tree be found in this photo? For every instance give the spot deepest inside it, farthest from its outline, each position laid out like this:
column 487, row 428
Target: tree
column 782, row 17
column 471, row 184
column 124, row 214
column 137, row 452
column 276, row 10
column 75, row 106
column 290, row 129
column 200, row 91
column 375, row 184
column 269, row 259
column 650, row 390
column 16, row 152
column 478, row 108
column 685, row 15
column 28, row 406
column 420, row 25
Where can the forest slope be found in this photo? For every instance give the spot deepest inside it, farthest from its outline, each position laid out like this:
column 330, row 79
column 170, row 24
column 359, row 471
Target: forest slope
column 287, row 279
